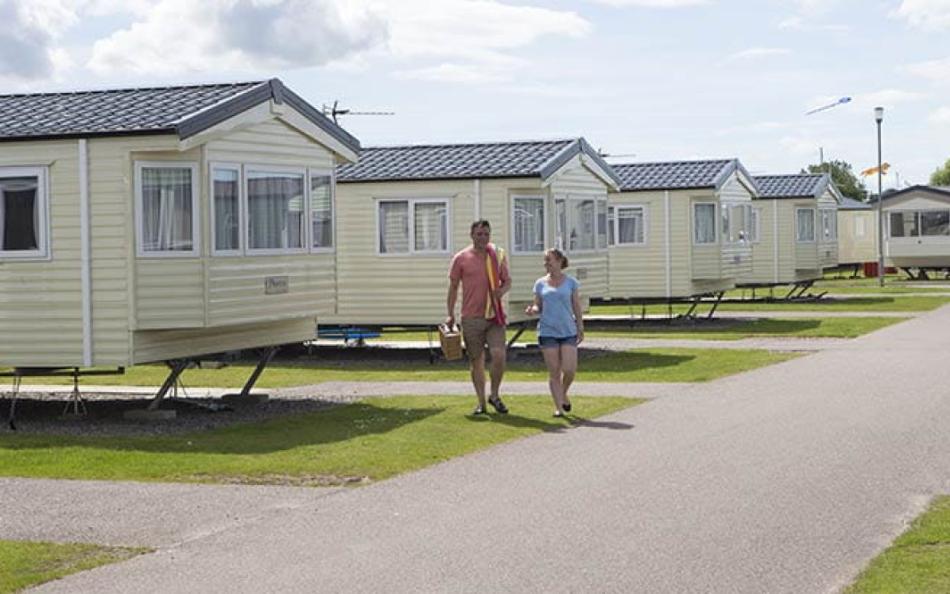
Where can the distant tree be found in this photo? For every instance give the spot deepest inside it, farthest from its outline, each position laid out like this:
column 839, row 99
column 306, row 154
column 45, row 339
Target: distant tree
column 941, row 175
column 843, row 176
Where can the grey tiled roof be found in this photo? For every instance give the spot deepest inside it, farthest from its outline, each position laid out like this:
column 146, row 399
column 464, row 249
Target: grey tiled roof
column 940, row 190
column 466, row 161
column 670, row 175
column 794, row 185
column 182, row 110
column 852, row 204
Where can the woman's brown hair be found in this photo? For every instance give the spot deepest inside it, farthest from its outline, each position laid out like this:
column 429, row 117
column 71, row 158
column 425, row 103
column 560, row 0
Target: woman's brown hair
column 559, row 255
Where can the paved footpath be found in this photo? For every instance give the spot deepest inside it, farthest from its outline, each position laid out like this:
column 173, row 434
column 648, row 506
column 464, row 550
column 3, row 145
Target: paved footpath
column 783, row 479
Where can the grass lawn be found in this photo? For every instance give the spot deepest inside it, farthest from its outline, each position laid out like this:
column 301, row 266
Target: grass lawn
column 26, row 564
column 722, row 329
column 858, row 304
column 653, row 365
column 918, row 561
column 370, row 440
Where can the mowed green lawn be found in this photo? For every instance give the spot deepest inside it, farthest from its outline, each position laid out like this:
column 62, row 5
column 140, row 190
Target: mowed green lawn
column 918, row 561
column 897, row 303
column 355, row 443
column 25, row 564
column 653, row 365
column 719, row 329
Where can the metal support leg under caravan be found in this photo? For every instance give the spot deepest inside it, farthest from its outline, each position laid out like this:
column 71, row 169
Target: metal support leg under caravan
column 715, row 304
column 266, row 356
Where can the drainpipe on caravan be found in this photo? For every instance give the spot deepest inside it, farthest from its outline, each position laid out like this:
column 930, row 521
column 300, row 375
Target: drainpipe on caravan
column 775, row 241
column 668, row 244
column 477, row 191
column 85, row 253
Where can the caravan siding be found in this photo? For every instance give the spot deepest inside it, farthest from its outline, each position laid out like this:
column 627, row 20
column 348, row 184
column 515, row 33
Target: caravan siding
column 41, row 299
column 395, row 288
column 828, row 243
column 857, row 236
column 639, row 271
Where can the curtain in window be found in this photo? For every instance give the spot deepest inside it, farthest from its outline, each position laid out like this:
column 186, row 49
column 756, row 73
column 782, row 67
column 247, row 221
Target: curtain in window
column 629, row 225
column 560, row 222
column 529, row 224
column 431, row 226
column 321, row 211
column 227, row 218
column 611, row 217
column 935, row 222
column 704, row 218
column 167, row 209
column 806, row 224
column 601, row 223
column 725, row 232
column 583, row 225
column 393, row 227
column 19, row 214
column 275, row 210
column 755, row 215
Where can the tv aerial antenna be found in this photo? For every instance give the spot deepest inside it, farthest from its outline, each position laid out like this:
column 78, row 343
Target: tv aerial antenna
column 335, row 110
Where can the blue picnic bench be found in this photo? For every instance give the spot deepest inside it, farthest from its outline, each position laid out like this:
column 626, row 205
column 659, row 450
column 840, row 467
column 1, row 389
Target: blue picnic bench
column 348, row 334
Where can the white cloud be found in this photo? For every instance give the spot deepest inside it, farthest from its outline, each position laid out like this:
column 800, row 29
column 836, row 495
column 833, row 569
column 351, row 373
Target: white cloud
column 458, row 73
column 929, row 15
column 653, row 3
column 237, row 35
column 28, row 31
column 936, row 70
column 940, row 115
column 758, row 52
column 798, row 23
column 886, row 98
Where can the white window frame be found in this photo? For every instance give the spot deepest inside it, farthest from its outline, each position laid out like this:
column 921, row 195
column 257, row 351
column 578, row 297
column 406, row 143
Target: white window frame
column 920, row 221
column 242, row 209
column 42, row 205
column 831, row 216
column 263, row 168
column 716, row 222
column 319, row 172
column 814, row 225
column 195, row 207
column 411, row 202
column 544, row 216
column 568, row 199
column 616, row 224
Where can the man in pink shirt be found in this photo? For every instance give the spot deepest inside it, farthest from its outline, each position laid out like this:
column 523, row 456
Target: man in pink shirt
column 480, row 327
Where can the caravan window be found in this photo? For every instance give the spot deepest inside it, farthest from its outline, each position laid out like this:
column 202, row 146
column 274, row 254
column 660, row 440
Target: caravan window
column 904, row 224
column 578, row 222
column 321, row 211
column 601, row 224
column 755, row 225
column 528, row 223
column 23, row 205
column 630, row 225
column 935, row 222
column 805, row 224
column 424, row 222
column 166, row 215
column 704, row 223
column 275, row 211
column 829, row 224
column 226, row 195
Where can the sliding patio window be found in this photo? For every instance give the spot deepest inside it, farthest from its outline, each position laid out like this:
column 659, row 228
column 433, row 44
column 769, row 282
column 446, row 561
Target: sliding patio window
column 275, row 211
column 704, row 223
column 805, row 224
column 23, row 212
column 321, row 212
column 528, row 223
column 904, row 223
column 226, row 214
column 166, row 213
column 415, row 226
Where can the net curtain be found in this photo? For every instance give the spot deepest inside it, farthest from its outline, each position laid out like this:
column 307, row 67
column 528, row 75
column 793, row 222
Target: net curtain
column 275, row 210
column 167, row 209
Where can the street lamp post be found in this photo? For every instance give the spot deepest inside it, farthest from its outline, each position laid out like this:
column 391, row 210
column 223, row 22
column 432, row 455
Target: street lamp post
column 879, row 117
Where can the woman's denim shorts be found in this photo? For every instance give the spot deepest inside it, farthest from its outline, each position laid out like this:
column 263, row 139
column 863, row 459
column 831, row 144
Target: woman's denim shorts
column 549, row 342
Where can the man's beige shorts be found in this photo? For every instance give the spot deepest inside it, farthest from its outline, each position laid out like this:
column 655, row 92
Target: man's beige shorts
column 477, row 332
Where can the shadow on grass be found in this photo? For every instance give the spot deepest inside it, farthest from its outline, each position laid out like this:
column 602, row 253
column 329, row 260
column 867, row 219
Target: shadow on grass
column 336, row 424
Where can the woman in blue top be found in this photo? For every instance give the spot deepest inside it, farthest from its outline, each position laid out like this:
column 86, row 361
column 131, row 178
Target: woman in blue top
column 561, row 327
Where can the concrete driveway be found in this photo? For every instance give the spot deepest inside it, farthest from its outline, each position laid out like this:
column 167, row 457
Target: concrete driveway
column 784, row 479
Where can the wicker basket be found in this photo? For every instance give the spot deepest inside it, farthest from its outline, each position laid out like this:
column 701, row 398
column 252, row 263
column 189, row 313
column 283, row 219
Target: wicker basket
column 451, row 341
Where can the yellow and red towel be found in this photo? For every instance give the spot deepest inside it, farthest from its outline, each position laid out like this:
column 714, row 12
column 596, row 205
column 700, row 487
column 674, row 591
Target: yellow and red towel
column 494, row 309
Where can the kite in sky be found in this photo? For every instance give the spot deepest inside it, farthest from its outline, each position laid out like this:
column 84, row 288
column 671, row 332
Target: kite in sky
column 829, row 106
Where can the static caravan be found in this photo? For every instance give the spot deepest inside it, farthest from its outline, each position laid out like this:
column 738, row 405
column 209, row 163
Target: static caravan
column 917, row 228
column 795, row 222
column 678, row 229
column 857, row 232
column 154, row 224
column 404, row 210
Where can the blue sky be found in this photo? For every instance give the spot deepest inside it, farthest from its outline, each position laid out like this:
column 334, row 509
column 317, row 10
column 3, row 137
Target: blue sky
column 649, row 79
